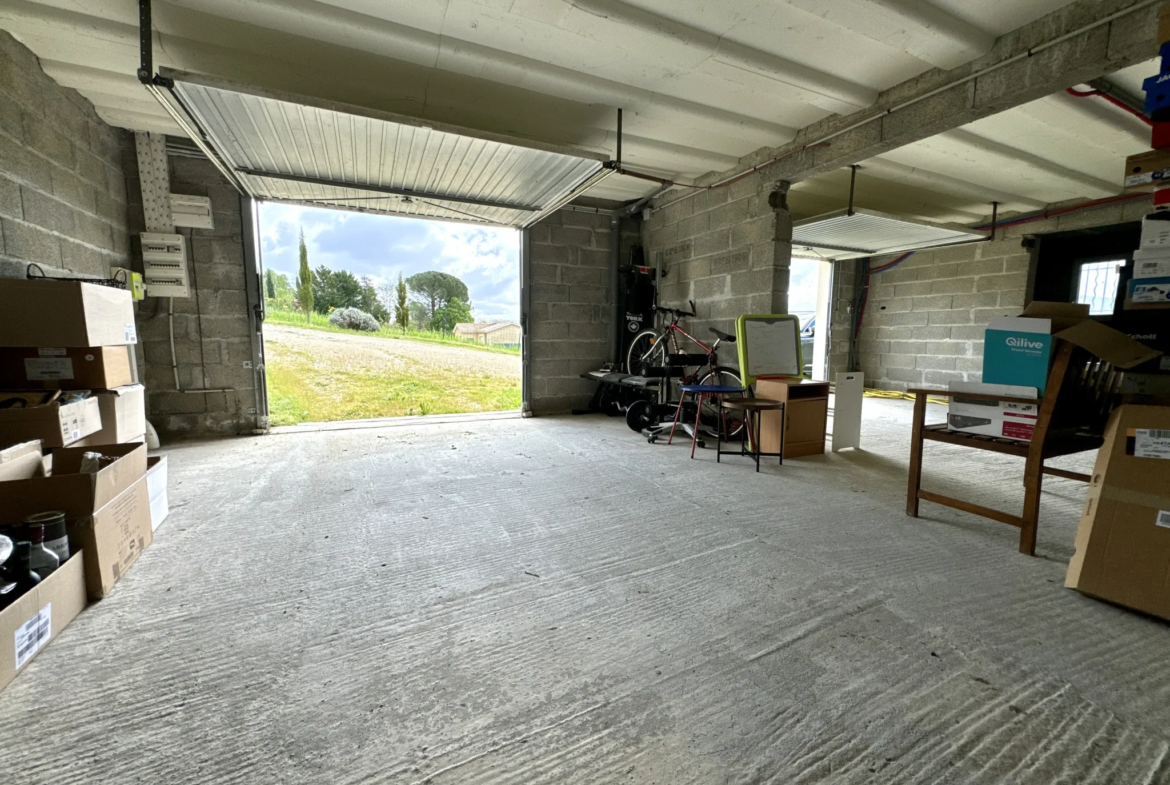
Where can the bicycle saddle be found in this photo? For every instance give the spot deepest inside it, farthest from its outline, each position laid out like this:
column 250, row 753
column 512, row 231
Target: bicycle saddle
column 725, row 337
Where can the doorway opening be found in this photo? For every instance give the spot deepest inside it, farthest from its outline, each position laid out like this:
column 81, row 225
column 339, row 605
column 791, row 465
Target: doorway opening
column 373, row 316
column 809, row 295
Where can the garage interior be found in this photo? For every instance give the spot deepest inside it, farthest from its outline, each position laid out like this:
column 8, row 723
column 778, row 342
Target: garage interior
column 549, row 598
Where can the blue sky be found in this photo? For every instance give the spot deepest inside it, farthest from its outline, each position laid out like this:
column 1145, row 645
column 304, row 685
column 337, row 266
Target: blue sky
column 487, row 259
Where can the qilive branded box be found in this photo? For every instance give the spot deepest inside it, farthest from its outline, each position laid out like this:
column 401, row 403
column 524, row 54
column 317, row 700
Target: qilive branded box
column 1019, row 350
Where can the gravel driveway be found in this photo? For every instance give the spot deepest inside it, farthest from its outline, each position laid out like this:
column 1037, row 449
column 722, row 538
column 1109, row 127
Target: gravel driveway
column 341, row 351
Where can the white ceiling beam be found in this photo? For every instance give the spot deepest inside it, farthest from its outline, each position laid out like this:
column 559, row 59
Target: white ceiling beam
column 1096, row 186
column 823, row 89
column 379, row 36
column 1097, row 109
column 1081, row 41
column 893, row 171
column 913, row 26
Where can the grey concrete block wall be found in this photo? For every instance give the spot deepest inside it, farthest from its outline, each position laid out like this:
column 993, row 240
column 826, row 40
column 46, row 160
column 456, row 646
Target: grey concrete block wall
column 62, row 187
column 213, row 331
column 571, row 319
column 924, row 319
column 726, row 249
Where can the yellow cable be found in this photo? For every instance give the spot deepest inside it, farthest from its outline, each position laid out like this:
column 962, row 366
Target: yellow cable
column 900, row 396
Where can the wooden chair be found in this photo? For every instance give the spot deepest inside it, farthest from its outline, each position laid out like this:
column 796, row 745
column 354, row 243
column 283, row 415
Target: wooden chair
column 1081, row 392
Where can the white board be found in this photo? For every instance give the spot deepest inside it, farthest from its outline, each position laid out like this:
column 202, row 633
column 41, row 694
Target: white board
column 773, row 347
column 849, row 392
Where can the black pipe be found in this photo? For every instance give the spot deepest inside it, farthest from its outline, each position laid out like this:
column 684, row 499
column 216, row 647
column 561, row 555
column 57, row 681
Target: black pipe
column 852, row 182
column 994, row 214
column 619, row 139
column 146, row 66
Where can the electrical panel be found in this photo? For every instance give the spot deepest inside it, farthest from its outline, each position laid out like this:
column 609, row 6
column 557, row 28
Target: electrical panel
column 164, row 261
column 193, row 212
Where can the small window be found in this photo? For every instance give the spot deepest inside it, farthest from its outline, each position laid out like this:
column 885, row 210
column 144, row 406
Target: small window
column 1097, row 286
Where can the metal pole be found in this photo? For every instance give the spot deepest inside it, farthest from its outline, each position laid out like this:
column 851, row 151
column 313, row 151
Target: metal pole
column 852, row 183
column 619, row 139
column 146, row 66
column 994, row 215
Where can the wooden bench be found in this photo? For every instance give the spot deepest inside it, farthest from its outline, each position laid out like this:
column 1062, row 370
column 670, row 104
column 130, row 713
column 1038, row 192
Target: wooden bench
column 1081, row 392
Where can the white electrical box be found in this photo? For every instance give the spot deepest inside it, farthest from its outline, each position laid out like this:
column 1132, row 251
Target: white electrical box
column 164, row 262
column 193, row 212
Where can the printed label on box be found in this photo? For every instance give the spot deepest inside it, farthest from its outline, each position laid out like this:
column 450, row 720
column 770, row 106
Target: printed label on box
column 1163, row 519
column 131, row 334
column 33, row 634
column 48, row 368
column 1151, row 443
column 51, row 352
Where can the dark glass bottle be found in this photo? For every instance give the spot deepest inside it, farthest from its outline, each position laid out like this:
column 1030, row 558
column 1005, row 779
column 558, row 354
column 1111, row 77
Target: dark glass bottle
column 41, row 559
column 16, row 577
column 56, row 538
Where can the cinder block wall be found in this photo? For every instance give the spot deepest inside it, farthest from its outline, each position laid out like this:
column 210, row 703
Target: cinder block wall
column 62, row 187
column 924, row 319
column 719, row 248
column 571, row 321
column 213, row 331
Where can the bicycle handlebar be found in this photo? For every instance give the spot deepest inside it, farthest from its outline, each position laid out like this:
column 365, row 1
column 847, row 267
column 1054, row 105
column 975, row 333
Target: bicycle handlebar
column 677, row 311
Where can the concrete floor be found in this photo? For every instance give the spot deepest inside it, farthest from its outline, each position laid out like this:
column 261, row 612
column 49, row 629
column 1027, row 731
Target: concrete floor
column 555, row 601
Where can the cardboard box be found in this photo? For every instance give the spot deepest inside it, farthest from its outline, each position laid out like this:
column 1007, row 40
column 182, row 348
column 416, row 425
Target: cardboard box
column 993, row 418
column 56, row 425
column 1155, row 232
column 62, row 368
column 1152, row 264
column 1147, row 385
column 107, row 512
column 1146, row 170
column 64, row 313
column 156, row 489
column 1020, row 357
column 1148, row 293
column 1123, row 541
column 123, row 412
column 1151, row 328
column 27, row 625
column 22, row 461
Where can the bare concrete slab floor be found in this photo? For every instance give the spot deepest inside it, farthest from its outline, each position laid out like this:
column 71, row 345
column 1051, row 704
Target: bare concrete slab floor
column 555, row 601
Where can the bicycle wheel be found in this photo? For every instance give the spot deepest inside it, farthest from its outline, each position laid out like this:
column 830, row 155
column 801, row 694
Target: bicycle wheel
column 732, row 420
column 646, row 349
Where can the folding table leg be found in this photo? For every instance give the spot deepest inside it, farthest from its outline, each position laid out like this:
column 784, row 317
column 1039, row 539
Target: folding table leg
column 682, row 396
column 698, row 416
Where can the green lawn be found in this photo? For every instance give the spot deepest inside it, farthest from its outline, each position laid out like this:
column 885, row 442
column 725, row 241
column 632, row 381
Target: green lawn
column 318, row 321
column 315, row 377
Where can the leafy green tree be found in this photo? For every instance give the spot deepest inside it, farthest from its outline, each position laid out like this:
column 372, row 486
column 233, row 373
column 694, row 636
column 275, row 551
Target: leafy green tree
column 333, row 289
column 420, row 316
column 270, row 284
column 451, row 314
column 305, row 282
column 434, row 289
column 370, row 303
column 401, row 309
column 276, row 285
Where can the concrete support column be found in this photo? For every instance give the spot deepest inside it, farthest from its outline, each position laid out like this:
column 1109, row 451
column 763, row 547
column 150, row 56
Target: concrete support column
column 781, row 246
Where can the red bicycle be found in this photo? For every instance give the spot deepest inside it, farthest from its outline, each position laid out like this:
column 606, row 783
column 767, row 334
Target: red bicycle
column 650, row 348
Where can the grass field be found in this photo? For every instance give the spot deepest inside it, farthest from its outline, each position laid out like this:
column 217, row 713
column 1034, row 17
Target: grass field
column 326, row 374
column 320, row 322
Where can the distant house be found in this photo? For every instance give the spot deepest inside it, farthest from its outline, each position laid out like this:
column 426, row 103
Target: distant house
column 490, row 333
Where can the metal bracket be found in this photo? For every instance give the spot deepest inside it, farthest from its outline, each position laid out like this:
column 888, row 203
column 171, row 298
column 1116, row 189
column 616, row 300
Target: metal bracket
column 155, row 180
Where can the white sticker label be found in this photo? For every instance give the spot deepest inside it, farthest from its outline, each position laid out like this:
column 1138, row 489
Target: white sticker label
column 130, row 333
column 48, row 368
column 33, row 634
column 1151, row 443
column 1163, row 519
column 51, row 352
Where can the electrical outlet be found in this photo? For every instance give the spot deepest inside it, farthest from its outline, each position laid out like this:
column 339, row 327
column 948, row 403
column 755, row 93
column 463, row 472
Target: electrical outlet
column 248, row 364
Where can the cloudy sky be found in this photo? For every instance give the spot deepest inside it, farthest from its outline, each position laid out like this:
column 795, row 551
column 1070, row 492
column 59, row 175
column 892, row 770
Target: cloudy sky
column 486, row 259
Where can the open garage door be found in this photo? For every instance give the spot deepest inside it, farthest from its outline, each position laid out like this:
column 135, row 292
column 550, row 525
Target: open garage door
column 292, row 148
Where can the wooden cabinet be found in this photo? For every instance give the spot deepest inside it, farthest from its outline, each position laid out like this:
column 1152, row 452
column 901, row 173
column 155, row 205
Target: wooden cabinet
column 806, row 411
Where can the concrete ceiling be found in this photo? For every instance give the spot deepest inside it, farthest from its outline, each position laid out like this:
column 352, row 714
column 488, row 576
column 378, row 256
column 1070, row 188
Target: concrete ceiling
column 702, row 82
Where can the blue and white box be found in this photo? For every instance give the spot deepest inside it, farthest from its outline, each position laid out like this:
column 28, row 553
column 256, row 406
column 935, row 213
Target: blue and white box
column 1017, row 351
column 1149, row 291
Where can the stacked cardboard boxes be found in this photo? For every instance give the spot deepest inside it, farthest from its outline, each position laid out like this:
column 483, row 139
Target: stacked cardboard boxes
column 63, row 354
column 67, row 389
